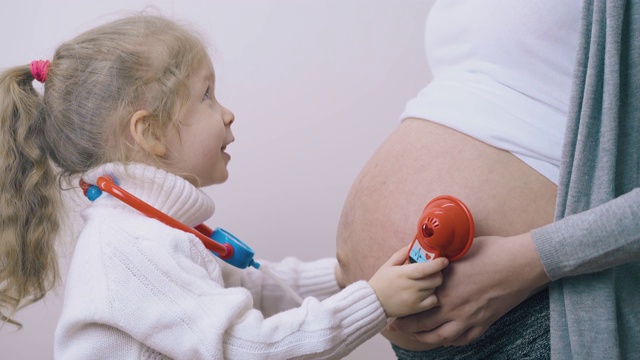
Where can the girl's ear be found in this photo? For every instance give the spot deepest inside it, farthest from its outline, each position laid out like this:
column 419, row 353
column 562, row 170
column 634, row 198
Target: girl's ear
column 141, row 127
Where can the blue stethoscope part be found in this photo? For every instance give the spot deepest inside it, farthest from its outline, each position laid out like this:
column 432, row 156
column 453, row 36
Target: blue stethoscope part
column 242, row 254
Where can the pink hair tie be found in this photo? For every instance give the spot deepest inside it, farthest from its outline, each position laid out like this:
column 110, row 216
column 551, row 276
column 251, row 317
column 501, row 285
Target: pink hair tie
column 39, row 69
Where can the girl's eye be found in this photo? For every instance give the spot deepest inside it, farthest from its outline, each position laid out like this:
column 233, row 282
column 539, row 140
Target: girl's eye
column 207, row 94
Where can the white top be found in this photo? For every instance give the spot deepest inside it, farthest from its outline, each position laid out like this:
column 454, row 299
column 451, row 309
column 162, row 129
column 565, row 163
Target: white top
column 138, row 289
column 502, row 73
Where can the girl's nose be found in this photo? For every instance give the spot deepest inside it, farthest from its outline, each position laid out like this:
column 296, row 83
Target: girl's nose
column 227, row 116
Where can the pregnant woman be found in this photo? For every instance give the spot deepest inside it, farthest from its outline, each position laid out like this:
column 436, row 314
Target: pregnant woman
column 489, row 130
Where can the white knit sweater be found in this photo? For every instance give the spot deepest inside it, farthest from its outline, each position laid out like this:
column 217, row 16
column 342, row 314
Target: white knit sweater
column 138, row 289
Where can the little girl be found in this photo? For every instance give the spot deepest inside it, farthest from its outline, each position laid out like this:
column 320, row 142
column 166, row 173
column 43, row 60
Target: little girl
column 134, row 99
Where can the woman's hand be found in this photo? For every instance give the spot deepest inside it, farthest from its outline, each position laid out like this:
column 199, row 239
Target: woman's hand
column 405, row 289
column 496, row 275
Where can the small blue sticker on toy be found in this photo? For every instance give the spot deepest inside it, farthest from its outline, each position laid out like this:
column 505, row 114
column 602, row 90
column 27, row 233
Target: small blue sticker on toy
column 418, row 254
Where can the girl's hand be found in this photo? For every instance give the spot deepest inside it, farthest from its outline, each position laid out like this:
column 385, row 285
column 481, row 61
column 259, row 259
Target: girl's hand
column 405, row 289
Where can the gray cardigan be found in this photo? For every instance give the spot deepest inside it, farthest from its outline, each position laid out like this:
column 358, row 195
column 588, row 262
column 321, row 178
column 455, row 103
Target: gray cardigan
column 592, row 250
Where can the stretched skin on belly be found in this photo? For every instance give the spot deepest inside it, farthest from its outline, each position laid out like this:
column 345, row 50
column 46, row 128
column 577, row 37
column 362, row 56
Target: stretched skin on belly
column 417, row 162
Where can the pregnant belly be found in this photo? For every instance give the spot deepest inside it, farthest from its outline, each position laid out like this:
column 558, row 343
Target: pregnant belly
column 418, row 162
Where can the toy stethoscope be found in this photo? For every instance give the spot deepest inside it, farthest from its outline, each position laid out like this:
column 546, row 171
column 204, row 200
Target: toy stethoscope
column 219, row 241
column 445, row 229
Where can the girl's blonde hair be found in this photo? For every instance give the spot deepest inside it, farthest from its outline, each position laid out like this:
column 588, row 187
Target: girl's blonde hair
column 95, row 83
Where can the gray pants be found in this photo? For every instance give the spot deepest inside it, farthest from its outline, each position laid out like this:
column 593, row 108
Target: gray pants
column 523, row 333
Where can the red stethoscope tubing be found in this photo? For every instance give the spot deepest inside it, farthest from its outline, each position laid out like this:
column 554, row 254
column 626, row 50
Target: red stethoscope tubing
column 202, row 231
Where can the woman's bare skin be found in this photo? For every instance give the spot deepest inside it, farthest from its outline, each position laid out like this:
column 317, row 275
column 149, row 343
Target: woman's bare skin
column 417, row 162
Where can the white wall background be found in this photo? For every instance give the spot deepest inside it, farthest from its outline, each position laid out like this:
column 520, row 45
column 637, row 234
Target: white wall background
column 316, row 85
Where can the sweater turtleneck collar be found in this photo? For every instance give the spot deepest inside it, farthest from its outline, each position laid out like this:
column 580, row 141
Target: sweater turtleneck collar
column 165, row 191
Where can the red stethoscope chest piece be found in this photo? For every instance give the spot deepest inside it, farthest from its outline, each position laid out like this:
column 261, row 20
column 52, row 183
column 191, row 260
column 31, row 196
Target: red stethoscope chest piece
column 445, row 229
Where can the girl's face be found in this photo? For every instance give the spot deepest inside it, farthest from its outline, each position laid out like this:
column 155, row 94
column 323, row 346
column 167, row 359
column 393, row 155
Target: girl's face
column 197, row 146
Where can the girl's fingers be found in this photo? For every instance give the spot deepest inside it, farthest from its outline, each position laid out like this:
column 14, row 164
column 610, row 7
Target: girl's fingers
column 399, row 257
column 421, row 270
column 429, row 302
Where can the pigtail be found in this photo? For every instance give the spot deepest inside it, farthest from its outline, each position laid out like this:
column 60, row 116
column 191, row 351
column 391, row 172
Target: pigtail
column 29, row 197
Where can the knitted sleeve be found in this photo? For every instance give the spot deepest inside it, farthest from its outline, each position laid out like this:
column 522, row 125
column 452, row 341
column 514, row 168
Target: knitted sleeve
column 315, row 278
column 166, row 290
column 600, row 238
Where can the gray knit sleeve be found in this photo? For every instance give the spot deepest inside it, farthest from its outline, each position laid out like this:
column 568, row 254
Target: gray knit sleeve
column 600, row 238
